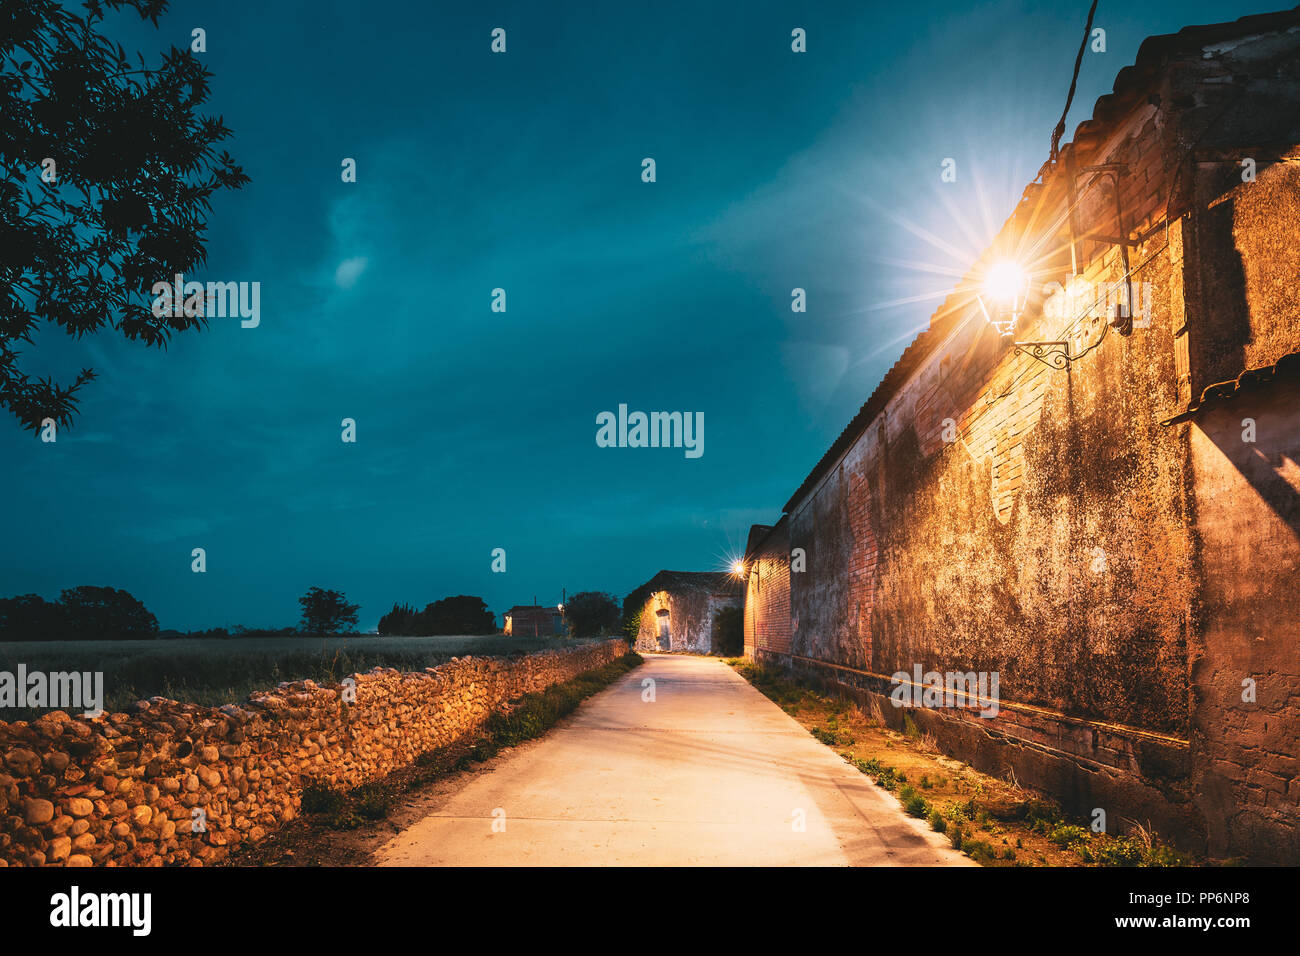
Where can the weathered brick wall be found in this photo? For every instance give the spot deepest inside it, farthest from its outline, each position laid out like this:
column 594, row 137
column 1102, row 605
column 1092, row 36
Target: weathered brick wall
column 767, row 594
column 1246, row 745
column 1242, row 312
column 995, row 514
column 121, row 789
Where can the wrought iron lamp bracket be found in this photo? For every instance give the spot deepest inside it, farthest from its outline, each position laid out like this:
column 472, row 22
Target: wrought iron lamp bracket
column 1052, row 354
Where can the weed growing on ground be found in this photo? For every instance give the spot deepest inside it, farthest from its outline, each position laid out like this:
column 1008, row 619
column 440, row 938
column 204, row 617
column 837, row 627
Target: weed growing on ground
column 987, row 808
column 915, row 804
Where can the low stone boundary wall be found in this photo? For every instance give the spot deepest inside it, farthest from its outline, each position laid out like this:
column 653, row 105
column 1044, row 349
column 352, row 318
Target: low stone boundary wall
column 168, row 783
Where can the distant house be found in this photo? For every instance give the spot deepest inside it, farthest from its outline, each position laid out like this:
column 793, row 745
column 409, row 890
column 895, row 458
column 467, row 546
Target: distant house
column 533, row 620
column 677, row 609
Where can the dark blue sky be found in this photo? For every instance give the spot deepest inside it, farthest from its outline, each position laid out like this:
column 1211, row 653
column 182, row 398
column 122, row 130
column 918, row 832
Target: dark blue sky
column 476, row 429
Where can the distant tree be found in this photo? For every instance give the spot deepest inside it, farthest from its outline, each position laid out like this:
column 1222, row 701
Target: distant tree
column 729, row 631
column 29, row 617
column 591, row 613
column 401, row 621
column 462, row 614
column 327, row 612
column 106, row 178
column 632, row 623
column 107, row 614
column 240, row 630
column 217, row 633
column 633, row 605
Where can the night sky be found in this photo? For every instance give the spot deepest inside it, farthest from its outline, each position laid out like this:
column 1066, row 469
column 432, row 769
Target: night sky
column 476, row 429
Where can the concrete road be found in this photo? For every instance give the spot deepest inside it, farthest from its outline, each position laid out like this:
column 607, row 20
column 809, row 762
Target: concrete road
column 710, row 772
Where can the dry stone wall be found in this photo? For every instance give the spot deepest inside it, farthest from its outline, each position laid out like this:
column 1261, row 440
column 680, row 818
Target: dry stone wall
column 126, row 789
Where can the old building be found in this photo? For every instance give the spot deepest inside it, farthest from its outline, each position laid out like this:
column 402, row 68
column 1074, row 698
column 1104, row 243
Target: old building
column 767, row 589
column 678, row 609
column 533, row 620
column 1102, row 507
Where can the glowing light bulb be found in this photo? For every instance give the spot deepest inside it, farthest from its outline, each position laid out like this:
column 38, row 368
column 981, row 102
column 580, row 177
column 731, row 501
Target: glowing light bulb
column 1006, row 285
column 1005, row 282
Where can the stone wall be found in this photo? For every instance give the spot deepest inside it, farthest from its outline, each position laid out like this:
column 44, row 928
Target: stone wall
column 686, row 603
column 1122, row 558
column 690, row 616
column 1245, row 660
column 122, row 789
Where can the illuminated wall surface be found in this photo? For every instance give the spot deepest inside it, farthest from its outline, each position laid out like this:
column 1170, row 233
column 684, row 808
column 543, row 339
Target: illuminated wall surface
column 1119, row 538
column 678, row 609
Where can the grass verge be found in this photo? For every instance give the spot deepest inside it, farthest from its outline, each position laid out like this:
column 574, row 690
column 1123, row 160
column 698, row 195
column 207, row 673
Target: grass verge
column 994, row 822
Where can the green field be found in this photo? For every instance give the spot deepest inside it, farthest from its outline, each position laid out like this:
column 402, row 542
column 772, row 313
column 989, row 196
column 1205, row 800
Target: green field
column 215, row 671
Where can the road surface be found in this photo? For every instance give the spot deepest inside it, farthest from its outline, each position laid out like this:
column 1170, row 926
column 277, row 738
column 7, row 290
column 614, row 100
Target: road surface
column 710, row 772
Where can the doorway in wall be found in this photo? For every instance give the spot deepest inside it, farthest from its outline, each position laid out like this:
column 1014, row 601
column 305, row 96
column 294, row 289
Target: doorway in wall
column 665, row 633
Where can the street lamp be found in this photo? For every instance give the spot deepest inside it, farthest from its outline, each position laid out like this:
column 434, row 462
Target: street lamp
column 1004, row 294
